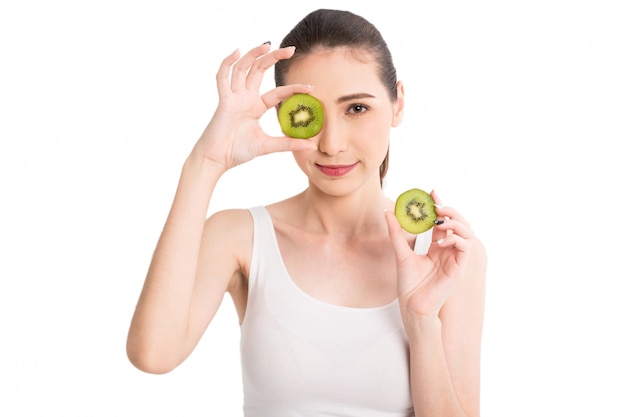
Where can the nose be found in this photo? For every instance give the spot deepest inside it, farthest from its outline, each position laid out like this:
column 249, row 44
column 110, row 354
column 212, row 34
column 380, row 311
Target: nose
column 331, row 139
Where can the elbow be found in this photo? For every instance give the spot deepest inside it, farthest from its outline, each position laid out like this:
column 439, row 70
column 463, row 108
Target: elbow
column 149, row 359
column 149, row 366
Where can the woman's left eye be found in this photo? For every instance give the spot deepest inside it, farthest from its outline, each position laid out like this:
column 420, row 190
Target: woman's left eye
column 357, row 109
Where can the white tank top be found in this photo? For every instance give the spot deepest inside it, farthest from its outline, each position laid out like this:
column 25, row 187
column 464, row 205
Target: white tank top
column 305, row 357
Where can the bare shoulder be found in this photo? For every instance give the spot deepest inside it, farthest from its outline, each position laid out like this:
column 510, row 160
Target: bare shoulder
column 228, row 234
column 231, row 225
column 237, row 220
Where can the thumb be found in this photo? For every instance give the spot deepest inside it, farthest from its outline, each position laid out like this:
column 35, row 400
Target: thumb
column 398, row 239
column 286, row 144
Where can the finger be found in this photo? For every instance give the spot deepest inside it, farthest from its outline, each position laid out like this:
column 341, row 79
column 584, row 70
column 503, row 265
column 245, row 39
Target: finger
column 400, row 245
column 286, row 144
column 455, row 241
column 450, row 212
column 274, row 97
column 223, row 73
column 241, row 68
column 256, row 73
column 453, row 226
column 445, row 213
column 435, row 197
column 438, row 233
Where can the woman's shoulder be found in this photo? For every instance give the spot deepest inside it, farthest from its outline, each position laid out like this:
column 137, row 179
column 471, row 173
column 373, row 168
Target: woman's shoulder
column 232, row 218
column 229, row 225
column 241, row 220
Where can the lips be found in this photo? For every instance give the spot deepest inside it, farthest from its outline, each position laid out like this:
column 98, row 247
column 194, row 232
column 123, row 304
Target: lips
column 336, row 170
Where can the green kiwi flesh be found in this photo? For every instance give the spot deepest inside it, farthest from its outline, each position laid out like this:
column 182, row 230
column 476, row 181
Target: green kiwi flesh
column 301, row 116
column 415, row 211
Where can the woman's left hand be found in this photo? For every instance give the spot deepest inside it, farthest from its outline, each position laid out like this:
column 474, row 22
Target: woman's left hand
column 426, row 281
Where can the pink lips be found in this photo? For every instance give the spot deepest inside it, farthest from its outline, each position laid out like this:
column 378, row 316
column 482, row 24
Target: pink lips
column 336, row 170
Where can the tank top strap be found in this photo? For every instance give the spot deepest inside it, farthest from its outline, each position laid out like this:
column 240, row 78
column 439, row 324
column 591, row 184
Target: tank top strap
column 263, row 261
column 422, row 242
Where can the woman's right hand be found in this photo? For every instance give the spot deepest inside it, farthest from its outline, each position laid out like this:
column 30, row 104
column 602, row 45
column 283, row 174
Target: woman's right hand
column 234, row 134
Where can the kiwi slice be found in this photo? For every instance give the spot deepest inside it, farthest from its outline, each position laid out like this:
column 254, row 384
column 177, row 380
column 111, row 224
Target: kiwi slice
column 301, row 116
column 415, row 210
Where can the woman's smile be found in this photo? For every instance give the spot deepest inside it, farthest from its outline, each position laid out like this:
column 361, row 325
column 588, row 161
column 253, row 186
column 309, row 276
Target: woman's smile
column 336, row 170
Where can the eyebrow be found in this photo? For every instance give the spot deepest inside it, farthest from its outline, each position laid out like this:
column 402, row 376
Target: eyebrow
column 355, row 96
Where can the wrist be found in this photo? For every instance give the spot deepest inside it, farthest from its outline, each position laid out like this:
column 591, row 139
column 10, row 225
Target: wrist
column 202, row 166
column 420, row 327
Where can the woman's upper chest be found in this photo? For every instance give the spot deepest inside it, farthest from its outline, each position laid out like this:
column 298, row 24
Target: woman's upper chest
column 357, row 272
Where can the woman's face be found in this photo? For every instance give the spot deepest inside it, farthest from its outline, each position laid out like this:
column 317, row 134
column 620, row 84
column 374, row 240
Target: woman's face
column 358, row 115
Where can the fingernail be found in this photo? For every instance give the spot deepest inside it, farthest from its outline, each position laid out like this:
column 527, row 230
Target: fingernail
column 267, row 43
column 438, row 222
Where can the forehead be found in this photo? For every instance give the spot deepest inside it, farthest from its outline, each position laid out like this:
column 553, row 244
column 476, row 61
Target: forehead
column 338, row 68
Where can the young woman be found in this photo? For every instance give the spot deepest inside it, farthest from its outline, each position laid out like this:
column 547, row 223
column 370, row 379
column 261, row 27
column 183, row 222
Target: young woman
column 341, row 311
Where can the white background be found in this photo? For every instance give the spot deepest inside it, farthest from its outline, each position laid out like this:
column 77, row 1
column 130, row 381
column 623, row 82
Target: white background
column 516, row 116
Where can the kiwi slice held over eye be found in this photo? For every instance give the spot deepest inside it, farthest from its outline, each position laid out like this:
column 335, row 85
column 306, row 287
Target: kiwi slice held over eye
column 415, row 211
column 301, row 116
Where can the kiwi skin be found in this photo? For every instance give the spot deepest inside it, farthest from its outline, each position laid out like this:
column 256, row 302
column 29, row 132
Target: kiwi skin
column 301, row 116
column 415, row 211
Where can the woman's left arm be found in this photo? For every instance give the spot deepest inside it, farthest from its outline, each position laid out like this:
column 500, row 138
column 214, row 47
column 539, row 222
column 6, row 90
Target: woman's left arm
column 442, row 297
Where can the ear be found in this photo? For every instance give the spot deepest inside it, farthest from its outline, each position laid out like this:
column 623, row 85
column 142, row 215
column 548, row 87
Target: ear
column 398, row 113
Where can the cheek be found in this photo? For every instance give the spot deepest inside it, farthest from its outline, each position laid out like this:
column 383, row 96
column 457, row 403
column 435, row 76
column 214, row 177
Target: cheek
column 375, row 135
column 302, row 159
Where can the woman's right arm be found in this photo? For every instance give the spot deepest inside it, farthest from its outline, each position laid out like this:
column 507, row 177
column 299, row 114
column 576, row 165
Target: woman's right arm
column 195, row 259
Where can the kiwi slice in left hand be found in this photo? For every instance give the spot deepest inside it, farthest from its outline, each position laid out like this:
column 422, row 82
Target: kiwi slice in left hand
column 415, row 211
column 301, row 116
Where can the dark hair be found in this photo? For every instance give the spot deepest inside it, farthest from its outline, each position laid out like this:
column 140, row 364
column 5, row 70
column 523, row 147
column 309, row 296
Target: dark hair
column 326, row 28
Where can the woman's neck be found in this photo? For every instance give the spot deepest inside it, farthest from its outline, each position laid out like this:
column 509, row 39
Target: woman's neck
column 347, row 216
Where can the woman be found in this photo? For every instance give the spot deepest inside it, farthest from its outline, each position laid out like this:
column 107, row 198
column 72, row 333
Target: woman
column 339, row 314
